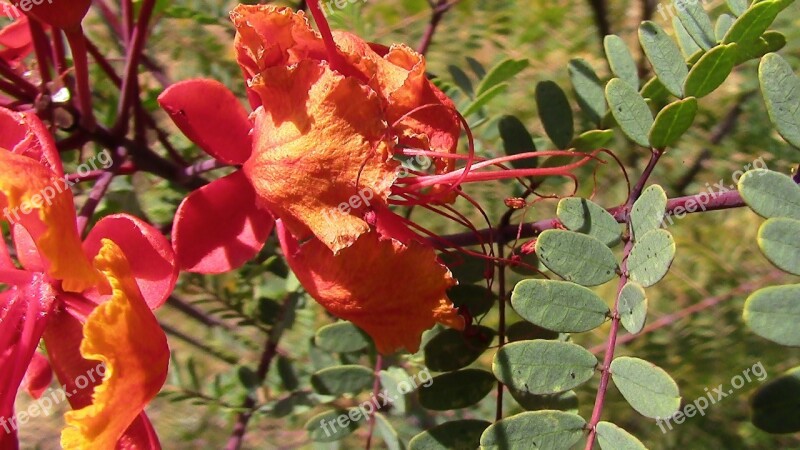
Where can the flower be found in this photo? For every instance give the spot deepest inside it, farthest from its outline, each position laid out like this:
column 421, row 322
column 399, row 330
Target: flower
column 332, row 115
column 89, row 301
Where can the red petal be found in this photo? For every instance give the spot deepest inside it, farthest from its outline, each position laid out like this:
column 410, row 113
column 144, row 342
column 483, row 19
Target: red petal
column 149, row 253
column 25, row 134
column 5, row 259
column 140, row 436
column 38, row 377
column 24, row 314
column 211, row 116
column 27, row 253
column 16, row 38
column 218, row 227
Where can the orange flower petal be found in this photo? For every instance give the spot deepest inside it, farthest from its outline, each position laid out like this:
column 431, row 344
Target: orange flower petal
column 392, row 291
column 321, row 157
column 27, row 187
column 268, row 36
column 124, row 334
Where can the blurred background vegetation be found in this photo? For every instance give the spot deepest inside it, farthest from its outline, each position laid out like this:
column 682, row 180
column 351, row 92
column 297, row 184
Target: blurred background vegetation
column 218, row 325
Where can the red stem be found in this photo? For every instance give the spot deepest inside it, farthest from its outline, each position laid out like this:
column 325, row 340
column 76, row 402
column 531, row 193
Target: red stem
column 77, row 45
column 335, row 58
column 130, row 79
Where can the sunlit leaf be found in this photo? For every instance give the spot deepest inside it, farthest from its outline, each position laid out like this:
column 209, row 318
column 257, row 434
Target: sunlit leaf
column 651, row 257
column 559, row 305
column 781, row 89
column 587, row 217
column 612, row 437
column 341, row 337
column 630, row 111
column 664, row 56
column 774, row 312
column 551, row 430
column 778, row 239
column 620, row 59
column 576, row 257
column 648, row 388
column 710, row 71
column 770, row 194
column 648, row 211
column 543, row 367
column 632, row 307
column 672, row 121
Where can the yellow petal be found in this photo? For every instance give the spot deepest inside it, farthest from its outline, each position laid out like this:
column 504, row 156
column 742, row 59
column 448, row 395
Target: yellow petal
column 123, row 334
column 35, row 197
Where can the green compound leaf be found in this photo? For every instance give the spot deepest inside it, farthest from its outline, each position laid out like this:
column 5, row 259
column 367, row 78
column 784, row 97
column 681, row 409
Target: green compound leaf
column 484, row 98
column 588, row 89
column 778, row 239
column 754, row 22
column 543, row 367
column 693, row 16
column 338, row 380
column 672, row 121
column 711, row 71
column 651, row 256
column 477, row 299
column 738, row 7
column 576, row 257
column 781, row 90
column 648, row 388
column 664, row 56
column 559, row 305
column 584, row 216
column 612, row 437
column 461, row 79
column 456, row 390
column 516, row 140
column 774, row 312
column 770, row 194
column 620, row 59
column 724, row 23
column 776, row 405
column 342, row 337
column 555, row 113
column 456, row 435
column 453, row 349
column 551, row 430
column 592, row 140
column 502, row 72
column 685, row 41
column 630, row 111
column 565, row 401
column 632, row 307
column 648, row 211
column 330, row 426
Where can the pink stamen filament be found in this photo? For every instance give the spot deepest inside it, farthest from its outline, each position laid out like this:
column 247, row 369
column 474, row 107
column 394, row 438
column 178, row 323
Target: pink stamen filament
column 15, row 277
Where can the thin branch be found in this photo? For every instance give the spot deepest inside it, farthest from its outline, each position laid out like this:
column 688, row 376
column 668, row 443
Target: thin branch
column 600, row 10
column 270, row 350
column 130, row 79
column 615, row 319
column 689, row 204
column 439, row 9
column 376, row 388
